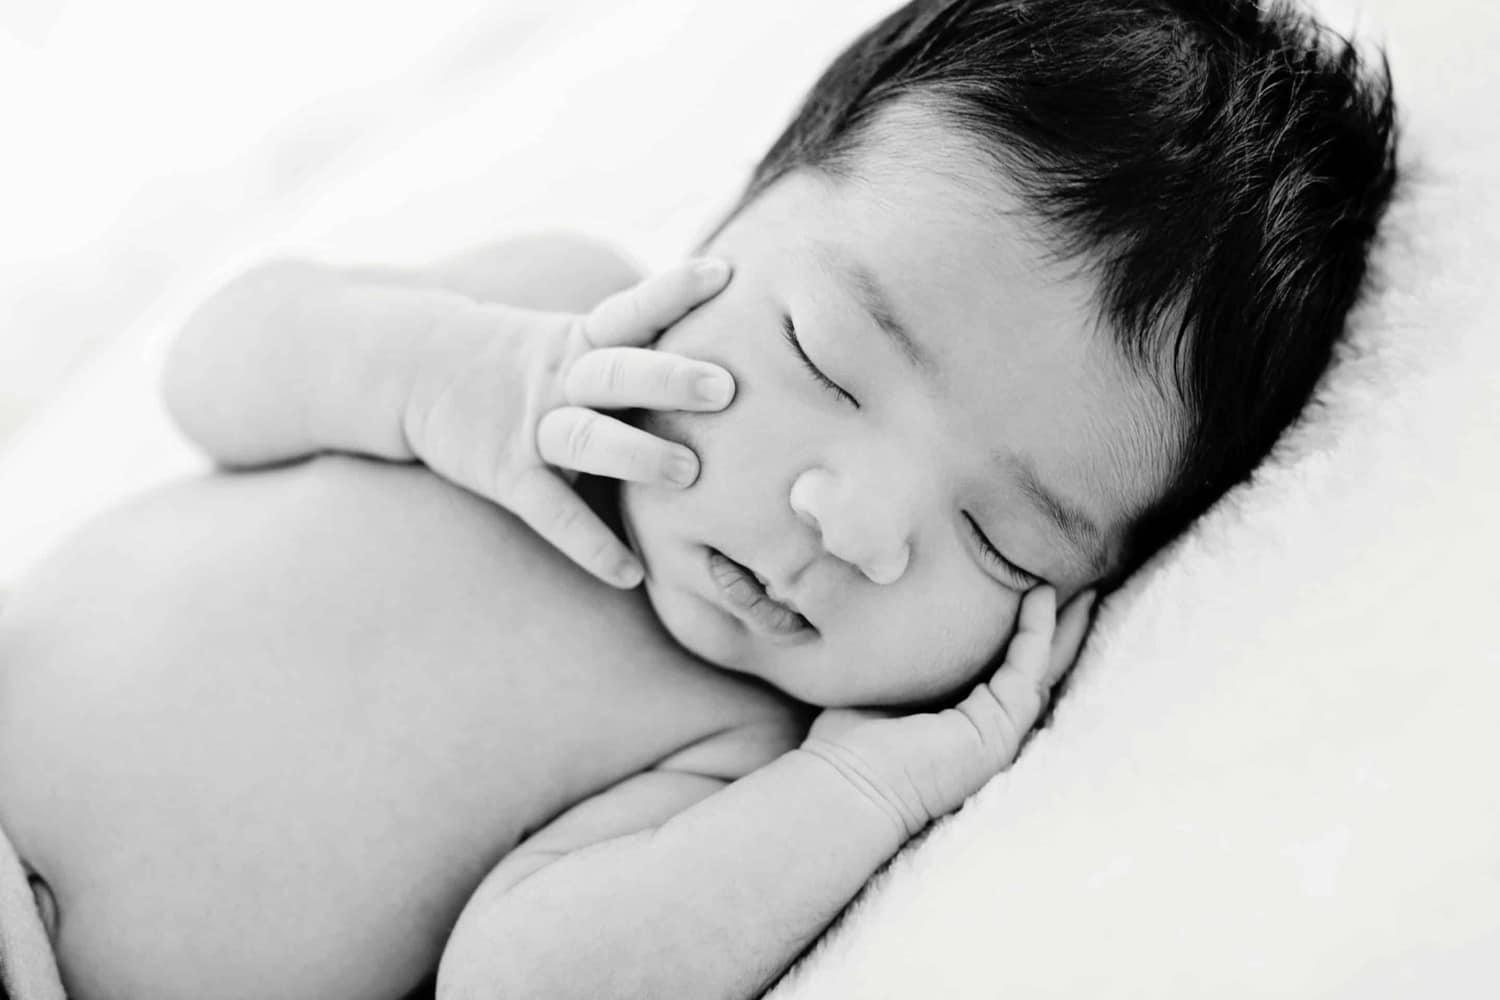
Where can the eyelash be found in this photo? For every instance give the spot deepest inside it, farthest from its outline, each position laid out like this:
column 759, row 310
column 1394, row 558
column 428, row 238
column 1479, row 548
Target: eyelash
column 790, row 333
column 1018, row 576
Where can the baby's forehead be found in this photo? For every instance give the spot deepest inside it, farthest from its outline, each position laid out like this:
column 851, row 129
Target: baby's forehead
column 923, row 173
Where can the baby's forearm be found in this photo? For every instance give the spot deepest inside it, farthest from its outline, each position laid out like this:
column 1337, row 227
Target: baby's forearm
column 294, row 357
column 715, row 903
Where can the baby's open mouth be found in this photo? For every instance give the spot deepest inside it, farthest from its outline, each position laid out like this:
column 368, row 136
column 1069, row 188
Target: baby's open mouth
column 745, row 592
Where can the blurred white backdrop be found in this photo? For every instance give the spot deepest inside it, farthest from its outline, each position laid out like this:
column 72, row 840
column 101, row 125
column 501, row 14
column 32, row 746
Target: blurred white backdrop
column 136, row 132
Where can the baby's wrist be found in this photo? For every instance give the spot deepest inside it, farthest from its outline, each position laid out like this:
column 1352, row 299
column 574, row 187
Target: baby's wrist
column 453, row 338
column 879, row 798
column 351, row 364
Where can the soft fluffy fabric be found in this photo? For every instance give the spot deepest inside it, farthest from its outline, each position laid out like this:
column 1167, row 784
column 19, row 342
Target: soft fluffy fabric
column 1269, row 773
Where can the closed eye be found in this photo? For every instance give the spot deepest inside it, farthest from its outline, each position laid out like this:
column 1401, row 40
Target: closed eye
column 790, row 333
column 1014, row 575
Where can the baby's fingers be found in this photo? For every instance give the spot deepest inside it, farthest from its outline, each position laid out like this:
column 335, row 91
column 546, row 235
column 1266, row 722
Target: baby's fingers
column 1004, row 710
column 572, row 437
column 1067, row 641
column 556, row 513
column 637, row 315
column 621, row 378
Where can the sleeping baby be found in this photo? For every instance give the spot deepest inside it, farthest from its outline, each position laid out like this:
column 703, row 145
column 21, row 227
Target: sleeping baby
column 1022, row 289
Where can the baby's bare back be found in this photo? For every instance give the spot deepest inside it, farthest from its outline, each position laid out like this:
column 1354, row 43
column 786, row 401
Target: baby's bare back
column 272, row 729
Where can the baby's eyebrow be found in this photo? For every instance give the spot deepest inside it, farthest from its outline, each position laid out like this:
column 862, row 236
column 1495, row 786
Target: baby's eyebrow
column 865, row 288
column 1076, row 528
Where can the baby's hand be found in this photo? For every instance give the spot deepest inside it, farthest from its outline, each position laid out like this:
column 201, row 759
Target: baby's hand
column 916, row 768
column 504, row 406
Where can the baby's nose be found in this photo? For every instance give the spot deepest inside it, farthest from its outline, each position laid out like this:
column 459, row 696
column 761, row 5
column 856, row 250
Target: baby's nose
column 887, row 565
column 858, row 529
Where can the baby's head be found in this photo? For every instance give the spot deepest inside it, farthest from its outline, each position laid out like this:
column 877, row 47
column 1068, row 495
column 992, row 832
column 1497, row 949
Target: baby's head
column 1024, row 287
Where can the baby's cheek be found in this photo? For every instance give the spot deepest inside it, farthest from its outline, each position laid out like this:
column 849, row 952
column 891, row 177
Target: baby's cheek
column 670, row 425
column 703, row 334
column 944, row 639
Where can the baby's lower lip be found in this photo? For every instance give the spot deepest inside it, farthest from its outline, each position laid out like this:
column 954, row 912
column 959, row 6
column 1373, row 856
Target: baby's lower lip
column 749, row 601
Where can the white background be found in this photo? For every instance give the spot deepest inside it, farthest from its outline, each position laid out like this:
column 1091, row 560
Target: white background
column 135, row 134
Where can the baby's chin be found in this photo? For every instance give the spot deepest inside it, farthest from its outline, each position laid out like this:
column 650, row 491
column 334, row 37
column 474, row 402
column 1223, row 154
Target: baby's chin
column 694, row 625
column 688, row 618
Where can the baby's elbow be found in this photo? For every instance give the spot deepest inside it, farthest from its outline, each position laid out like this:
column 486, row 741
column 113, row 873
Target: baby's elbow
column 212, row 344
column 482, row 959
column 501, row 951
column 493, row 973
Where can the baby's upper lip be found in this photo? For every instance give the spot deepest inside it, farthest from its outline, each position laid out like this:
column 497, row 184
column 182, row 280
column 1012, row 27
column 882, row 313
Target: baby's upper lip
column 781, row 592
column 775, row 591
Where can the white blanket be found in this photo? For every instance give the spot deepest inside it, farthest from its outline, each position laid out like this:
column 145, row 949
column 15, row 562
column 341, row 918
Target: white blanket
column 1269, row 774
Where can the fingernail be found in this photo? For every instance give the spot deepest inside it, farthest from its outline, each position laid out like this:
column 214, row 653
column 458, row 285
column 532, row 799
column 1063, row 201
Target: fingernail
column 711, row 270
column 715, row 388
column 682, row 469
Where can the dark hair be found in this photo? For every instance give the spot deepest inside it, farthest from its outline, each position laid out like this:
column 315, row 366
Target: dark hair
column 1221, row 169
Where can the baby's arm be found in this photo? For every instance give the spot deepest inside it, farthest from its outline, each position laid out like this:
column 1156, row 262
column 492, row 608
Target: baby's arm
column 295, row 357
column 673, row 885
